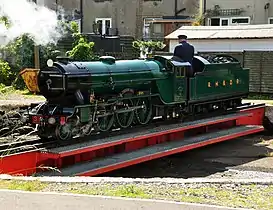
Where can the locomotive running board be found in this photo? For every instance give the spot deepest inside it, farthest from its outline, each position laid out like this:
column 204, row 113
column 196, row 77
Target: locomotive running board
column 103, row 155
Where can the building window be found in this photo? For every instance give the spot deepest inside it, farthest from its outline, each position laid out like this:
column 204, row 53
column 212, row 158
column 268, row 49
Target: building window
column 270, row 20
column 157, row 28
column 240, row 20
column 218, row 21
column 103, row 24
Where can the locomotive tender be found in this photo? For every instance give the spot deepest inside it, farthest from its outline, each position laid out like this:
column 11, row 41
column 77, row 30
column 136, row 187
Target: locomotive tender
column 97, row 96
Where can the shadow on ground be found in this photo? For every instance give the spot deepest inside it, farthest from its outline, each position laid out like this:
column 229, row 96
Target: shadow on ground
column 239, row 153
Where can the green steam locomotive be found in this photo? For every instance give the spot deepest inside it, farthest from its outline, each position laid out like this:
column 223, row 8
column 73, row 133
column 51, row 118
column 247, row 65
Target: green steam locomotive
column 86, row 97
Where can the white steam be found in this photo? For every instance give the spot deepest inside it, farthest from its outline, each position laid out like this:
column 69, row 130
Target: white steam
column 27, row 17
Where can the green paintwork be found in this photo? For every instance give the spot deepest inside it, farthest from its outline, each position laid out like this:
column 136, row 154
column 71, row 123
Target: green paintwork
column 114, row 77
column 167, row 78
column 180, row 89
column 85, row 113
column 213, row 73
column 173, row 88
column 164, row 87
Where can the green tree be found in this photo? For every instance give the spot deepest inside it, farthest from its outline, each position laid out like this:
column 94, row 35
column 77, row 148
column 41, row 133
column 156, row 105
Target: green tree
column 49, row 51
column 82, row 49
column 5, row 73
column 19, row 55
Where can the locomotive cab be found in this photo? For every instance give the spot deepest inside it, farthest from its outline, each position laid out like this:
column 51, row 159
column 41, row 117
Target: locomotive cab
column 181, row 73
column 177, row 66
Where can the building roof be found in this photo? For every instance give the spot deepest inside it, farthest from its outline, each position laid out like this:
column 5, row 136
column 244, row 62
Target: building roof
column 224, row 32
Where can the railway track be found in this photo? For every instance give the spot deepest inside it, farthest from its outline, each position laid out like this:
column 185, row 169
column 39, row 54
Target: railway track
column 39, row 144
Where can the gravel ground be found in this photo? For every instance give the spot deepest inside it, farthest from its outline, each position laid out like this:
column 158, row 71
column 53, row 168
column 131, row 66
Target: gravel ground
column 231, row 195
column 255, row 196
column 257, row 101
column 14, row 101
column 11, row 127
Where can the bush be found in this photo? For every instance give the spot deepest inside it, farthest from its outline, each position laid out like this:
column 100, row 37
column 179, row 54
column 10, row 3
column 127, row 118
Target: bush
column 5, row 73
column 48, row 52
column 148, row 47
column 83, row 51
column 19, row 54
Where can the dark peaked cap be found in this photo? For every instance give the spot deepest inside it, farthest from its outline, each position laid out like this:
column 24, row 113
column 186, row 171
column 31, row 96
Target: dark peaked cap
column 182, row 37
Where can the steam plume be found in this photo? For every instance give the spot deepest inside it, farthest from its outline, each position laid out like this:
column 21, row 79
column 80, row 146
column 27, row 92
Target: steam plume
column 27, row 17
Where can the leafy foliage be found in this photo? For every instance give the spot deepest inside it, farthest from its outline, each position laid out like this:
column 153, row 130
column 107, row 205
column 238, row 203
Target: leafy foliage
column 198, row 20
column 150, row 45
column 49, row 51
column 19, row 54
column 74, row 27
column 147, row 47
column 75, row 33
column 82, row 49
column 5, row 73
column 4, row 20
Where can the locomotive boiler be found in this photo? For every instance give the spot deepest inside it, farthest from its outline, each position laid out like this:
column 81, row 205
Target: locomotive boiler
column 97, row 96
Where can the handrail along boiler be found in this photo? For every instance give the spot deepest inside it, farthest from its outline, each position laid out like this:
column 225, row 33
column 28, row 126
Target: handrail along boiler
column 97, row 96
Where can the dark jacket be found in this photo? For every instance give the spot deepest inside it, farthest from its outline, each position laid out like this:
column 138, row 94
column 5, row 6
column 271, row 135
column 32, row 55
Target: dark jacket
column 185, row 51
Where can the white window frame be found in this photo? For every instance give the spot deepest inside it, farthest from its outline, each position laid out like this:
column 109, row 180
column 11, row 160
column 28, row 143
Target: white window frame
column 229, row 19
column 220, row 18
column 103, row 23
column 224, row 19
column 270, row 18
column 232, row 18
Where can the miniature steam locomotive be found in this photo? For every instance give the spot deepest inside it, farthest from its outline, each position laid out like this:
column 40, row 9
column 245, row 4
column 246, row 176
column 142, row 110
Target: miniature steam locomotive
column 86, row 97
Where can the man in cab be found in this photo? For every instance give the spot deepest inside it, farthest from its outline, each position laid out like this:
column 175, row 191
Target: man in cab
column 184, row 50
